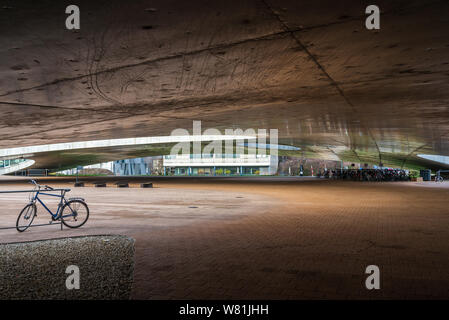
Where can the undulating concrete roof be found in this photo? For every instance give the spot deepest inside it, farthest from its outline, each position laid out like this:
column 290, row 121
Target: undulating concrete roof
column 308, row 68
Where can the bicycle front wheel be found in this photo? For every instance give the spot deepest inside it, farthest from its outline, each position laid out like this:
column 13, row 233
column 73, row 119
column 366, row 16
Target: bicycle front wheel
column 26, row 217
column 74, row 213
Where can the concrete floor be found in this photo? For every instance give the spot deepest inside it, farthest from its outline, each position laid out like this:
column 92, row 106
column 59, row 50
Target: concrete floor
column 268, row 238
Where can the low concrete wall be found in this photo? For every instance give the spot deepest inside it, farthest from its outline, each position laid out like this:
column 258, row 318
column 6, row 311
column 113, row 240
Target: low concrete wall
column 38, row 269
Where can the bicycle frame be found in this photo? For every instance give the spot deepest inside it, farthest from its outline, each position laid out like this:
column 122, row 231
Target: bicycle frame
column 60, row 205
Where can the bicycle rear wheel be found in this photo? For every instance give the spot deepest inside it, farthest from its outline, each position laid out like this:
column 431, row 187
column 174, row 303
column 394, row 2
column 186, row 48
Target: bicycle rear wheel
column 74, row 213
column 26, row 217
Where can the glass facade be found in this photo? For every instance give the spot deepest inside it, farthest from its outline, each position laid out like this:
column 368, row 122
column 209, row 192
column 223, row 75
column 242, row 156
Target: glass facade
column 220, row 164
column 211, row 171
column 8, row 163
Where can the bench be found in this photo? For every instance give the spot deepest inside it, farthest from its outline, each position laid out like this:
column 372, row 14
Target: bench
column 100, row 184
column 122, row 184
column 146, row 185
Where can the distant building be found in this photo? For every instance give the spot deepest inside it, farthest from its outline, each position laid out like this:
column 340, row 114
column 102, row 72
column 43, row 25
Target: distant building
column 138, row 166
column 210, row 164
column 224, row 164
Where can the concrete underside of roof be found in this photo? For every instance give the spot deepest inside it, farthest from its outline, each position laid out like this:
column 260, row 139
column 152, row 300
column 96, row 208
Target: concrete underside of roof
column 307, row 68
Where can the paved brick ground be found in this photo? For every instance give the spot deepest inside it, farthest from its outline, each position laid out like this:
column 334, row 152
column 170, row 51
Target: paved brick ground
column 277, row 239
column 315, row 245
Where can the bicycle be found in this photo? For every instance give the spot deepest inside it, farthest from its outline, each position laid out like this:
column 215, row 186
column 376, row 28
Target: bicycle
column 72, row 212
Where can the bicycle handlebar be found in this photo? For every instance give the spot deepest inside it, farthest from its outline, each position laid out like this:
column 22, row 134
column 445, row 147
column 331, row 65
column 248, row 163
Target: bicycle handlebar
column 40, row 186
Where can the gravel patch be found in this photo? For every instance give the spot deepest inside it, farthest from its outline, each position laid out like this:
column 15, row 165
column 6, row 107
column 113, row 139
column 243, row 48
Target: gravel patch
column 37, row 270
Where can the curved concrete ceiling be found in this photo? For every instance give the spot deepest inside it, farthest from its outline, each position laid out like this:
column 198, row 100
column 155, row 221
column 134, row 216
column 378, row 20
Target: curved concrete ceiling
column 70, row 154
column 23, row 152
column 441, row 160
column 307, row 68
